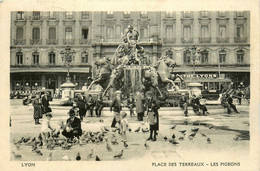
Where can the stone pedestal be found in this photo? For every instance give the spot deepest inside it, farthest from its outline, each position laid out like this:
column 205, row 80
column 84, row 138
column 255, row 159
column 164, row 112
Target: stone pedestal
column 67, row 90
column 194, row 88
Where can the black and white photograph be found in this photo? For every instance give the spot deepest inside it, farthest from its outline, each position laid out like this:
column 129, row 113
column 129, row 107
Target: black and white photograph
column 167, row 87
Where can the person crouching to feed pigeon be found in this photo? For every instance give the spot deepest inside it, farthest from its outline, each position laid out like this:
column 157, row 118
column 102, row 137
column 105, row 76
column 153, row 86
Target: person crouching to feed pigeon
column 124, row 125
column 73, row 126
column 46, row 129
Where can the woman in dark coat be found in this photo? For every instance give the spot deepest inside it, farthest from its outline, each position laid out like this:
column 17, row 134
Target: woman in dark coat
column 37, row 112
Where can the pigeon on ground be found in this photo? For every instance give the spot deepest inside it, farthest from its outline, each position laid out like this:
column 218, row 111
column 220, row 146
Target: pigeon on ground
column 17, row 146
column 173, row 127
column 114, row 142
column 17, row 156
column 106, row 129
column 192, row 135
column 208, row 140
column 49, row 158
column 101, row 120
column 91, row 153
column 129, row 129
column 183, row 131
column 65, row 157
column 173, row 142
column 78, row 158
column 173, row 136
column 181, row 138
column 97, row 158
column 143, row 130
column 195, row 129
column 21, row 140
column 37, row 151
column 26, row 139
column 204, row 135
column 138, row 129
column 119, row 155
column 108, row 147
column 146, row 145
column 125, row 144
column 211, row 127
column 165, row 138
column 40, row 137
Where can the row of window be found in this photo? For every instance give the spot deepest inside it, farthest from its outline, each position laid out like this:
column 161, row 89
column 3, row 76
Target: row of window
column 187, row 57
column 187, row 33
column 52, row 33
column 204, row 56
column 85, row 15
column 51, row 56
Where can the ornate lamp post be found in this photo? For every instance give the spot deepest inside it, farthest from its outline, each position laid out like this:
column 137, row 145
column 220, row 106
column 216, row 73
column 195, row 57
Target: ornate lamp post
column 68, row 87
column 194, row 86
column 68, row 56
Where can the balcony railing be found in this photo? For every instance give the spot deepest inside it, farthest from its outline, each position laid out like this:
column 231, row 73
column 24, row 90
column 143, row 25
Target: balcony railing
column 222, row 39
column 19, row 42
column 240, row 39
column 187, row 40
column 68, row 41
column 35, row 41
column 205, row 40
column 168, row 40
column 52, row 41
column 84, row 41
column 48, row 66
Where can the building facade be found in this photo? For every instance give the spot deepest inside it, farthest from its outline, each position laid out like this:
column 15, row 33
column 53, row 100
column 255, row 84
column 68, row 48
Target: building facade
column 38, row 38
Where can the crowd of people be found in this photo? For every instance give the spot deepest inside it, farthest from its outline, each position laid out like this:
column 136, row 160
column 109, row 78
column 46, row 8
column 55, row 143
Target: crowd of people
column 145, row 105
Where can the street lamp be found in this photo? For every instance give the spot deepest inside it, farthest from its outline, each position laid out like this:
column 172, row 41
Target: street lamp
column 68, row 56
column 36, row 84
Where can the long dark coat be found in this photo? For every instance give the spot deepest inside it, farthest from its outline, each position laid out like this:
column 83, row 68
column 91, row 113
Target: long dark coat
column 154, row 106
column 37, row 112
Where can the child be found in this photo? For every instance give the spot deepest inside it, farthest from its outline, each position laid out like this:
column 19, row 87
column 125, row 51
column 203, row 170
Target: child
column 124, row 125
column 152, row 120
column 46, row 129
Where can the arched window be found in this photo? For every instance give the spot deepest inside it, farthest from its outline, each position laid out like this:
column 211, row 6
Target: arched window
column 68, row 33
column 19, row 58
column 35, row 56
column 110, row 32
column 52, row 58
column 204, row 56
column 186, row 32
column 222, row 56
column 169, row 32
column 186, row 57
column 36, row 33
column 19, row 33
column 240, row 56
column 52, row 33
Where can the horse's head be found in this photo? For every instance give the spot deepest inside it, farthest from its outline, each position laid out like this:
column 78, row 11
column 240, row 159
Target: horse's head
column 169, row 62
column 102, row 61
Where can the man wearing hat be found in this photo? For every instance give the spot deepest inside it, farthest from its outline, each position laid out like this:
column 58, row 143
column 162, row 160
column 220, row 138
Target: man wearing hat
column 140, row 106
column 116, row 107
column 73, row 126
column 184, row 103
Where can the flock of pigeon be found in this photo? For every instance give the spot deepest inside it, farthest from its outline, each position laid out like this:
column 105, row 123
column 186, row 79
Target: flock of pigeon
column 57, row 141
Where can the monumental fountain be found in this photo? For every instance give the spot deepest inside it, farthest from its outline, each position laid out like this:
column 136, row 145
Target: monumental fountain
column 130, row 71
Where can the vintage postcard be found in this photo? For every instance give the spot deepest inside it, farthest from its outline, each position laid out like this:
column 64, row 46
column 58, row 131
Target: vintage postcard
column 132, row 85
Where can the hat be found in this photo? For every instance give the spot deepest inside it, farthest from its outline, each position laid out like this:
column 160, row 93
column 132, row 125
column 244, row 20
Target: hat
column 118, row 92
column 71, row 112
column 124, row 114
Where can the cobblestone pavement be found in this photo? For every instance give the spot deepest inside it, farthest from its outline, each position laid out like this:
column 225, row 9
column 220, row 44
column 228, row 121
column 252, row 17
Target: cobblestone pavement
column 229, row 134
